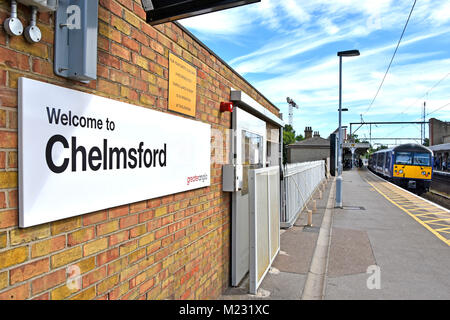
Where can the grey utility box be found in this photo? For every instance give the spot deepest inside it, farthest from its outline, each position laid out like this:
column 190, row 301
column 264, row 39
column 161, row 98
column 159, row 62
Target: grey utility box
column 232, row 178
column 41, row 5
column 76, row 33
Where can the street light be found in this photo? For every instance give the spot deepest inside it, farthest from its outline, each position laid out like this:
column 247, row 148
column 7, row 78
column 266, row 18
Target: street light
column 349, row 53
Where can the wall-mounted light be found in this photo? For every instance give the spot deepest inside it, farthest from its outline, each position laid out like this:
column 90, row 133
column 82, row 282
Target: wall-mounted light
column 226, row 106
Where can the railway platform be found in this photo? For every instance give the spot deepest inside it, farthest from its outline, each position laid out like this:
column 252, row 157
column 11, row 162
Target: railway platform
column 385, row 243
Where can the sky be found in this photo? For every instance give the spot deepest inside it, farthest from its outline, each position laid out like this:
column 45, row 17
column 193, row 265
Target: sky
column 288, row 48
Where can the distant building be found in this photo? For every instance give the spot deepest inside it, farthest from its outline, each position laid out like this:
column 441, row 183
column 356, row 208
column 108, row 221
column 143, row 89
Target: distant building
column 441, row 153
column 439, row 131
column 313, row 148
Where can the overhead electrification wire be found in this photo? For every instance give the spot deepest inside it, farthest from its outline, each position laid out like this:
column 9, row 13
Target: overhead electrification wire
column 418, row 119
column 426, row 93
column 440, row 108
column 392, row 59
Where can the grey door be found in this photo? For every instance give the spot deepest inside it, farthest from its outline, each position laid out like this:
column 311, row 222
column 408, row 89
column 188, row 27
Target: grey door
column 248, row 152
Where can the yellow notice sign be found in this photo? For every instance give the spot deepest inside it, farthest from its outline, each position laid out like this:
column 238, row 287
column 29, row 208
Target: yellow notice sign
column 182, row 86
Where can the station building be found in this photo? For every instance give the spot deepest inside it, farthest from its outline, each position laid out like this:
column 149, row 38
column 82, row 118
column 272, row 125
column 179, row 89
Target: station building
column 440, row 143
column 439, row 131
column 172, row 246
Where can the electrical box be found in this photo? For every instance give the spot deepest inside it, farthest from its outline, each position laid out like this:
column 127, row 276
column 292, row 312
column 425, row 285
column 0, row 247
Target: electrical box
column 232, row 178
column 76, row 32
column 41, row 5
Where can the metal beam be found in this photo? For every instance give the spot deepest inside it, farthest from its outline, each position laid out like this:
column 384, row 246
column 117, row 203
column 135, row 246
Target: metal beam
column 384, row 122
column 395, row 138
column 391, row 122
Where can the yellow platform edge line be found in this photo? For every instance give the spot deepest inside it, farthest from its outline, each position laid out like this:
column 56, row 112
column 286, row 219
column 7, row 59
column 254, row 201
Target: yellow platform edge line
column 447, row 242
column 440, row 213
column 398, row 190
column 438, row 224
column 431, row 221
column 424, row 214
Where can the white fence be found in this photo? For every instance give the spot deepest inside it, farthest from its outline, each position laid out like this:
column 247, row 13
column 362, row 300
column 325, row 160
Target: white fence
column 265, row 205
column 300, row 182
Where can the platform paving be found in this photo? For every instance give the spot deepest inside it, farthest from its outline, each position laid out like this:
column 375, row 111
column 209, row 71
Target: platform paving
column 413, row 262
column 286, row 279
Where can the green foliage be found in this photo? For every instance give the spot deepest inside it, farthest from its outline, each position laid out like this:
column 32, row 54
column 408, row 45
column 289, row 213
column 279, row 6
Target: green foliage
column 381, row 147
column 355, row 138
column 289, row 137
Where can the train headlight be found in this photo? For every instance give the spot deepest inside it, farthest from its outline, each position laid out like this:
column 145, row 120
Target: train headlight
column 400, row 171
column 424, row 173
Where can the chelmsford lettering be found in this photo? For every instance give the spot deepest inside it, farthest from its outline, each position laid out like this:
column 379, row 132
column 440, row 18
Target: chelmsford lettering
column 104, row 157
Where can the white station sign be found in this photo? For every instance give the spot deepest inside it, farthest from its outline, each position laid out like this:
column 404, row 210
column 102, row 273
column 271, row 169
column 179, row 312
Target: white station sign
column 80, row 153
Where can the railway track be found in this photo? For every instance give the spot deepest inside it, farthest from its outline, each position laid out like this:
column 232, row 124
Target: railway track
column 440, row 190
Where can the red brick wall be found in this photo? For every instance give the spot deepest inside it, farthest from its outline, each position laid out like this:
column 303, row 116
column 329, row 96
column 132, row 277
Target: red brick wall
column 173, row 247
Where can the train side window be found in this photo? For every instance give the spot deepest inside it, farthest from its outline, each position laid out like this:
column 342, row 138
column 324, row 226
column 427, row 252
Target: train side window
column 380, row 160
column 403, row 158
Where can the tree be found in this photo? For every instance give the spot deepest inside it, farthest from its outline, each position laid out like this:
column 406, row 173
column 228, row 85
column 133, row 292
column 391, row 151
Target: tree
column 289, row 137
column 355, row 139
column 426, row 142
column 380, row 147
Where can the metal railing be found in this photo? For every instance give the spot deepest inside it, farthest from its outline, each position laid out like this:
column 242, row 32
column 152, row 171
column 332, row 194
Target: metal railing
column 299, row 184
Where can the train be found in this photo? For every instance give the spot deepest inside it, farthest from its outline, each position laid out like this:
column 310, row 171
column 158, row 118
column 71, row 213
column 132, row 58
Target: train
column 409, row 166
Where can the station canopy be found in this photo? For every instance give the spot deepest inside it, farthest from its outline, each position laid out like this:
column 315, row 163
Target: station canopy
column 161, row 11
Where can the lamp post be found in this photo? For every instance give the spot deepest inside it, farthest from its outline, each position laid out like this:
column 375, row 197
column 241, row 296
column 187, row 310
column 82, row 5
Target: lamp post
column 350, row 53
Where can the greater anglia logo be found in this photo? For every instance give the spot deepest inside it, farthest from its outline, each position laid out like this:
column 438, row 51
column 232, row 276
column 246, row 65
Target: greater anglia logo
column 200, row 178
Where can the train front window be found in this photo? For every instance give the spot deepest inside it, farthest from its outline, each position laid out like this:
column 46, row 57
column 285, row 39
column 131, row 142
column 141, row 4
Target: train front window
column 403, row 158
column 422, row 159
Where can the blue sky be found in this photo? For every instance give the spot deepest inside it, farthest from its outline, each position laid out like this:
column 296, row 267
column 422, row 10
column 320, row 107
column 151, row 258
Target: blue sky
column 288, row 48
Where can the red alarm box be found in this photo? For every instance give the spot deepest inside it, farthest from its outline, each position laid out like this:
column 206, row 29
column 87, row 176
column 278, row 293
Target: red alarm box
column 226, row 106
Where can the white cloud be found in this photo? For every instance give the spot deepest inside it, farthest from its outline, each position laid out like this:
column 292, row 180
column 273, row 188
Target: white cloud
column 441, row 14
column 295, row 11
column 329, row 27
column 229, row 22
column 297, row 55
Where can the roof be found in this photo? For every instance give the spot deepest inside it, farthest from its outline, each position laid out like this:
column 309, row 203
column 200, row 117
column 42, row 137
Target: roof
column 440, row 147
column 409, row 147
column 312, row 142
